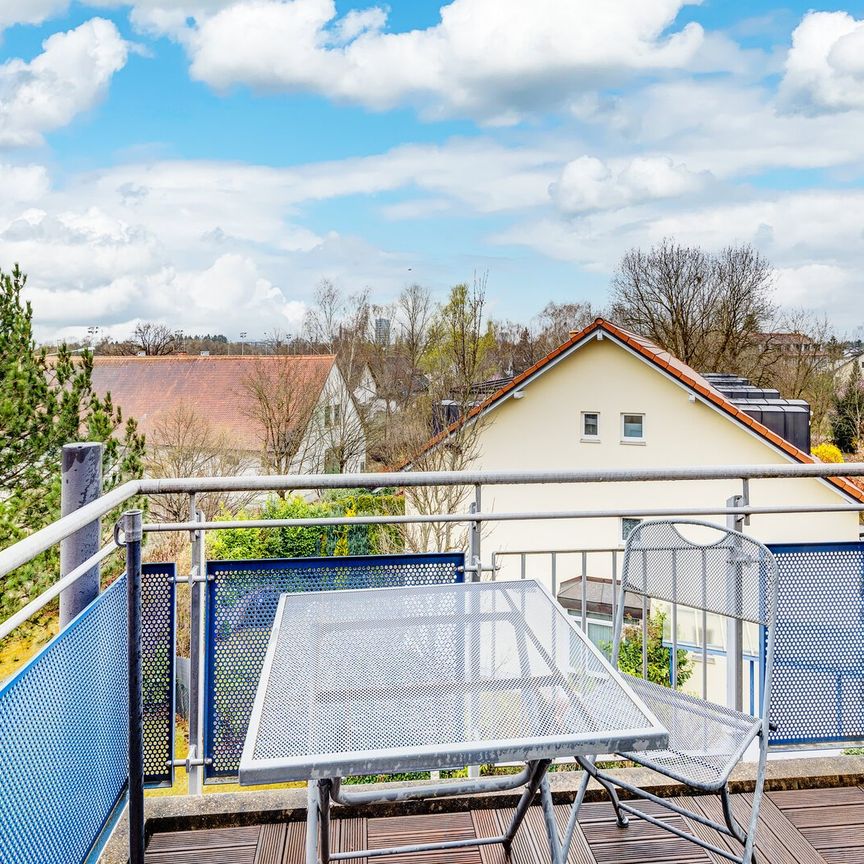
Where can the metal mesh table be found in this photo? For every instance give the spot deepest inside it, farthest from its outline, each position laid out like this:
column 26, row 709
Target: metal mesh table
column 431, row 677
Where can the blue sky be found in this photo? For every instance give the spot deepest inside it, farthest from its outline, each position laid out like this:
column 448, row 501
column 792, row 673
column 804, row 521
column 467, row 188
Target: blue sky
column 206, row 162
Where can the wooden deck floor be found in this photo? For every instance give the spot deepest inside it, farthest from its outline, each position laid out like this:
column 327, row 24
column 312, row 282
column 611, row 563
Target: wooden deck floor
column 823, row 826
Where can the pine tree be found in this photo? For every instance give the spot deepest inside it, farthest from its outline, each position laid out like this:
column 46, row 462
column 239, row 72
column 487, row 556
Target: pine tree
column 848, row 414
column 46, row 402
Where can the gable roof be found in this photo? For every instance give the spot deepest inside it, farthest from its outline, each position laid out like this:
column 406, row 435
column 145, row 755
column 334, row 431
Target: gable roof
column 665, row 362
column 150, row 388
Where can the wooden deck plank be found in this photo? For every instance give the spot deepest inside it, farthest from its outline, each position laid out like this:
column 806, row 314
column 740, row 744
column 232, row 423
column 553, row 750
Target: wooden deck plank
column 845, row 856
column 819, row 827
column 487, row 824
column 838, row 816
column 799, row 798
column 830, row 838
column 710, row 806
column 703, row 832
column 295, row 843
column 535, row 826
column 271, row 844
column 433, row 828
column 352, row 836
column 523, row 850
column 225, row 855
column 778, row 837
column 213, row 838
column 580, row 851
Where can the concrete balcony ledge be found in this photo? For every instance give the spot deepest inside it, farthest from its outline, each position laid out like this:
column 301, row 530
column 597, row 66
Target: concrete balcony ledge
column 238, row 809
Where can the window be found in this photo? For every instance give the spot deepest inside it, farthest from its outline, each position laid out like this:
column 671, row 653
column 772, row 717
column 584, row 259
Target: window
column 331, row 415
column 632, row 427
column 628, row 523
column 331, row 461
column 590, row 425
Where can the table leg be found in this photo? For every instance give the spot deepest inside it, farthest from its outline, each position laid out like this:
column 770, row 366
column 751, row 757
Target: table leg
column 538, row 771
column 324, row 787
column 549, row 817
column 312, row 822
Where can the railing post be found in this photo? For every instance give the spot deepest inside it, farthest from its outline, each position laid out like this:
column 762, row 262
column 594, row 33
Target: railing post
column 583, row 589
column 132, row 533
column 81, row 483
column 734, row 629
column 474, row 539
column 197, row 586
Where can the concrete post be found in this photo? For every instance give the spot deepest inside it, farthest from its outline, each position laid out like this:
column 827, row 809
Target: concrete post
column 81, row 483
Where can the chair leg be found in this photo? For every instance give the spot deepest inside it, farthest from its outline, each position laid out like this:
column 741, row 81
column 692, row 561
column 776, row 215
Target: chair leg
column 749, row 855
column 621, row 817
column 731, row 821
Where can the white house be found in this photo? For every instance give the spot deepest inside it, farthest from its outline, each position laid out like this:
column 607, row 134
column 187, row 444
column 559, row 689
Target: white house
column 608, row 398
column 307, row 391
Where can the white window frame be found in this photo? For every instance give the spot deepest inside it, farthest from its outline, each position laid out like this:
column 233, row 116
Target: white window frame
column 629, row 439
column 585, row 435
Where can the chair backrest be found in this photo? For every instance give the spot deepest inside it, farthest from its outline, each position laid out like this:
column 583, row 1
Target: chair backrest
column 727, row 573
column 713, row 569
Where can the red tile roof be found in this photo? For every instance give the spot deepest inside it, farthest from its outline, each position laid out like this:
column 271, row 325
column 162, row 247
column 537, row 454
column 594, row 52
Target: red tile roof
column 668, row 363
column 150, row 388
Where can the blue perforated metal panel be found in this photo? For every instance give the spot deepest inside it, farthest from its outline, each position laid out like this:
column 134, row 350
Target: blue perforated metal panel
column 63, row 738
column 818, row 689
column 241, row 604
column 158, row 637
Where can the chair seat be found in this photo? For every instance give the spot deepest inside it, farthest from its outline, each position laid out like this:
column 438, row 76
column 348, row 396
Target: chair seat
column 706, row 741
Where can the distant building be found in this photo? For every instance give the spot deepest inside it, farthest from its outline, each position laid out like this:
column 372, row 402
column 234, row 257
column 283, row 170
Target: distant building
column 382, row 331
column 311, row 388
column 852, row 357
column 786, row 343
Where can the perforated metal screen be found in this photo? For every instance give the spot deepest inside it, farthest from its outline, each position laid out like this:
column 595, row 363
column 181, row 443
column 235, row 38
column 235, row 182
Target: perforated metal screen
column 241, row 604
column 158, row 637
column 63, row 739
column 818, row 689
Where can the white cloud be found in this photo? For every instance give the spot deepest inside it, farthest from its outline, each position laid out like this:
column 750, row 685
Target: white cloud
column 29, row 11
column 825, row 65
column 814, row 239
column 588, row 184
column 22, row 183
column 495, row 59
column 70, row 76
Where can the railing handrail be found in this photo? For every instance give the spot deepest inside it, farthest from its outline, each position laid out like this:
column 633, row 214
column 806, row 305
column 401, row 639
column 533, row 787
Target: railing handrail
column 28, row 548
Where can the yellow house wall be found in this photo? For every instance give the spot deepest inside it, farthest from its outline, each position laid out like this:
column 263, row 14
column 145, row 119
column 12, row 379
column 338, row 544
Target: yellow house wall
column 542, row 431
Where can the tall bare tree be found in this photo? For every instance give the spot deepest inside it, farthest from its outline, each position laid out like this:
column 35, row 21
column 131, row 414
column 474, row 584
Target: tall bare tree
column 459, row 357
column 280, row 400
column 152, row 339
column 704, row 308
column 558, row 320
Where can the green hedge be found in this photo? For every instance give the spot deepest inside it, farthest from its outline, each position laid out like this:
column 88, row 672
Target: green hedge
column 306, row 542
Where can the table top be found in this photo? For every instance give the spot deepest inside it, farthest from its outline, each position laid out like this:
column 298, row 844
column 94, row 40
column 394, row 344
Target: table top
column 433, row 677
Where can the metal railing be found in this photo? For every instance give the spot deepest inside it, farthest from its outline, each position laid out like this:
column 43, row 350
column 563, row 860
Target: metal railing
column 734, row 510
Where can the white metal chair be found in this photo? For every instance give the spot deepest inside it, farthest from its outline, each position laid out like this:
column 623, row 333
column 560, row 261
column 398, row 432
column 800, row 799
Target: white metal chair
column 735, row 577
